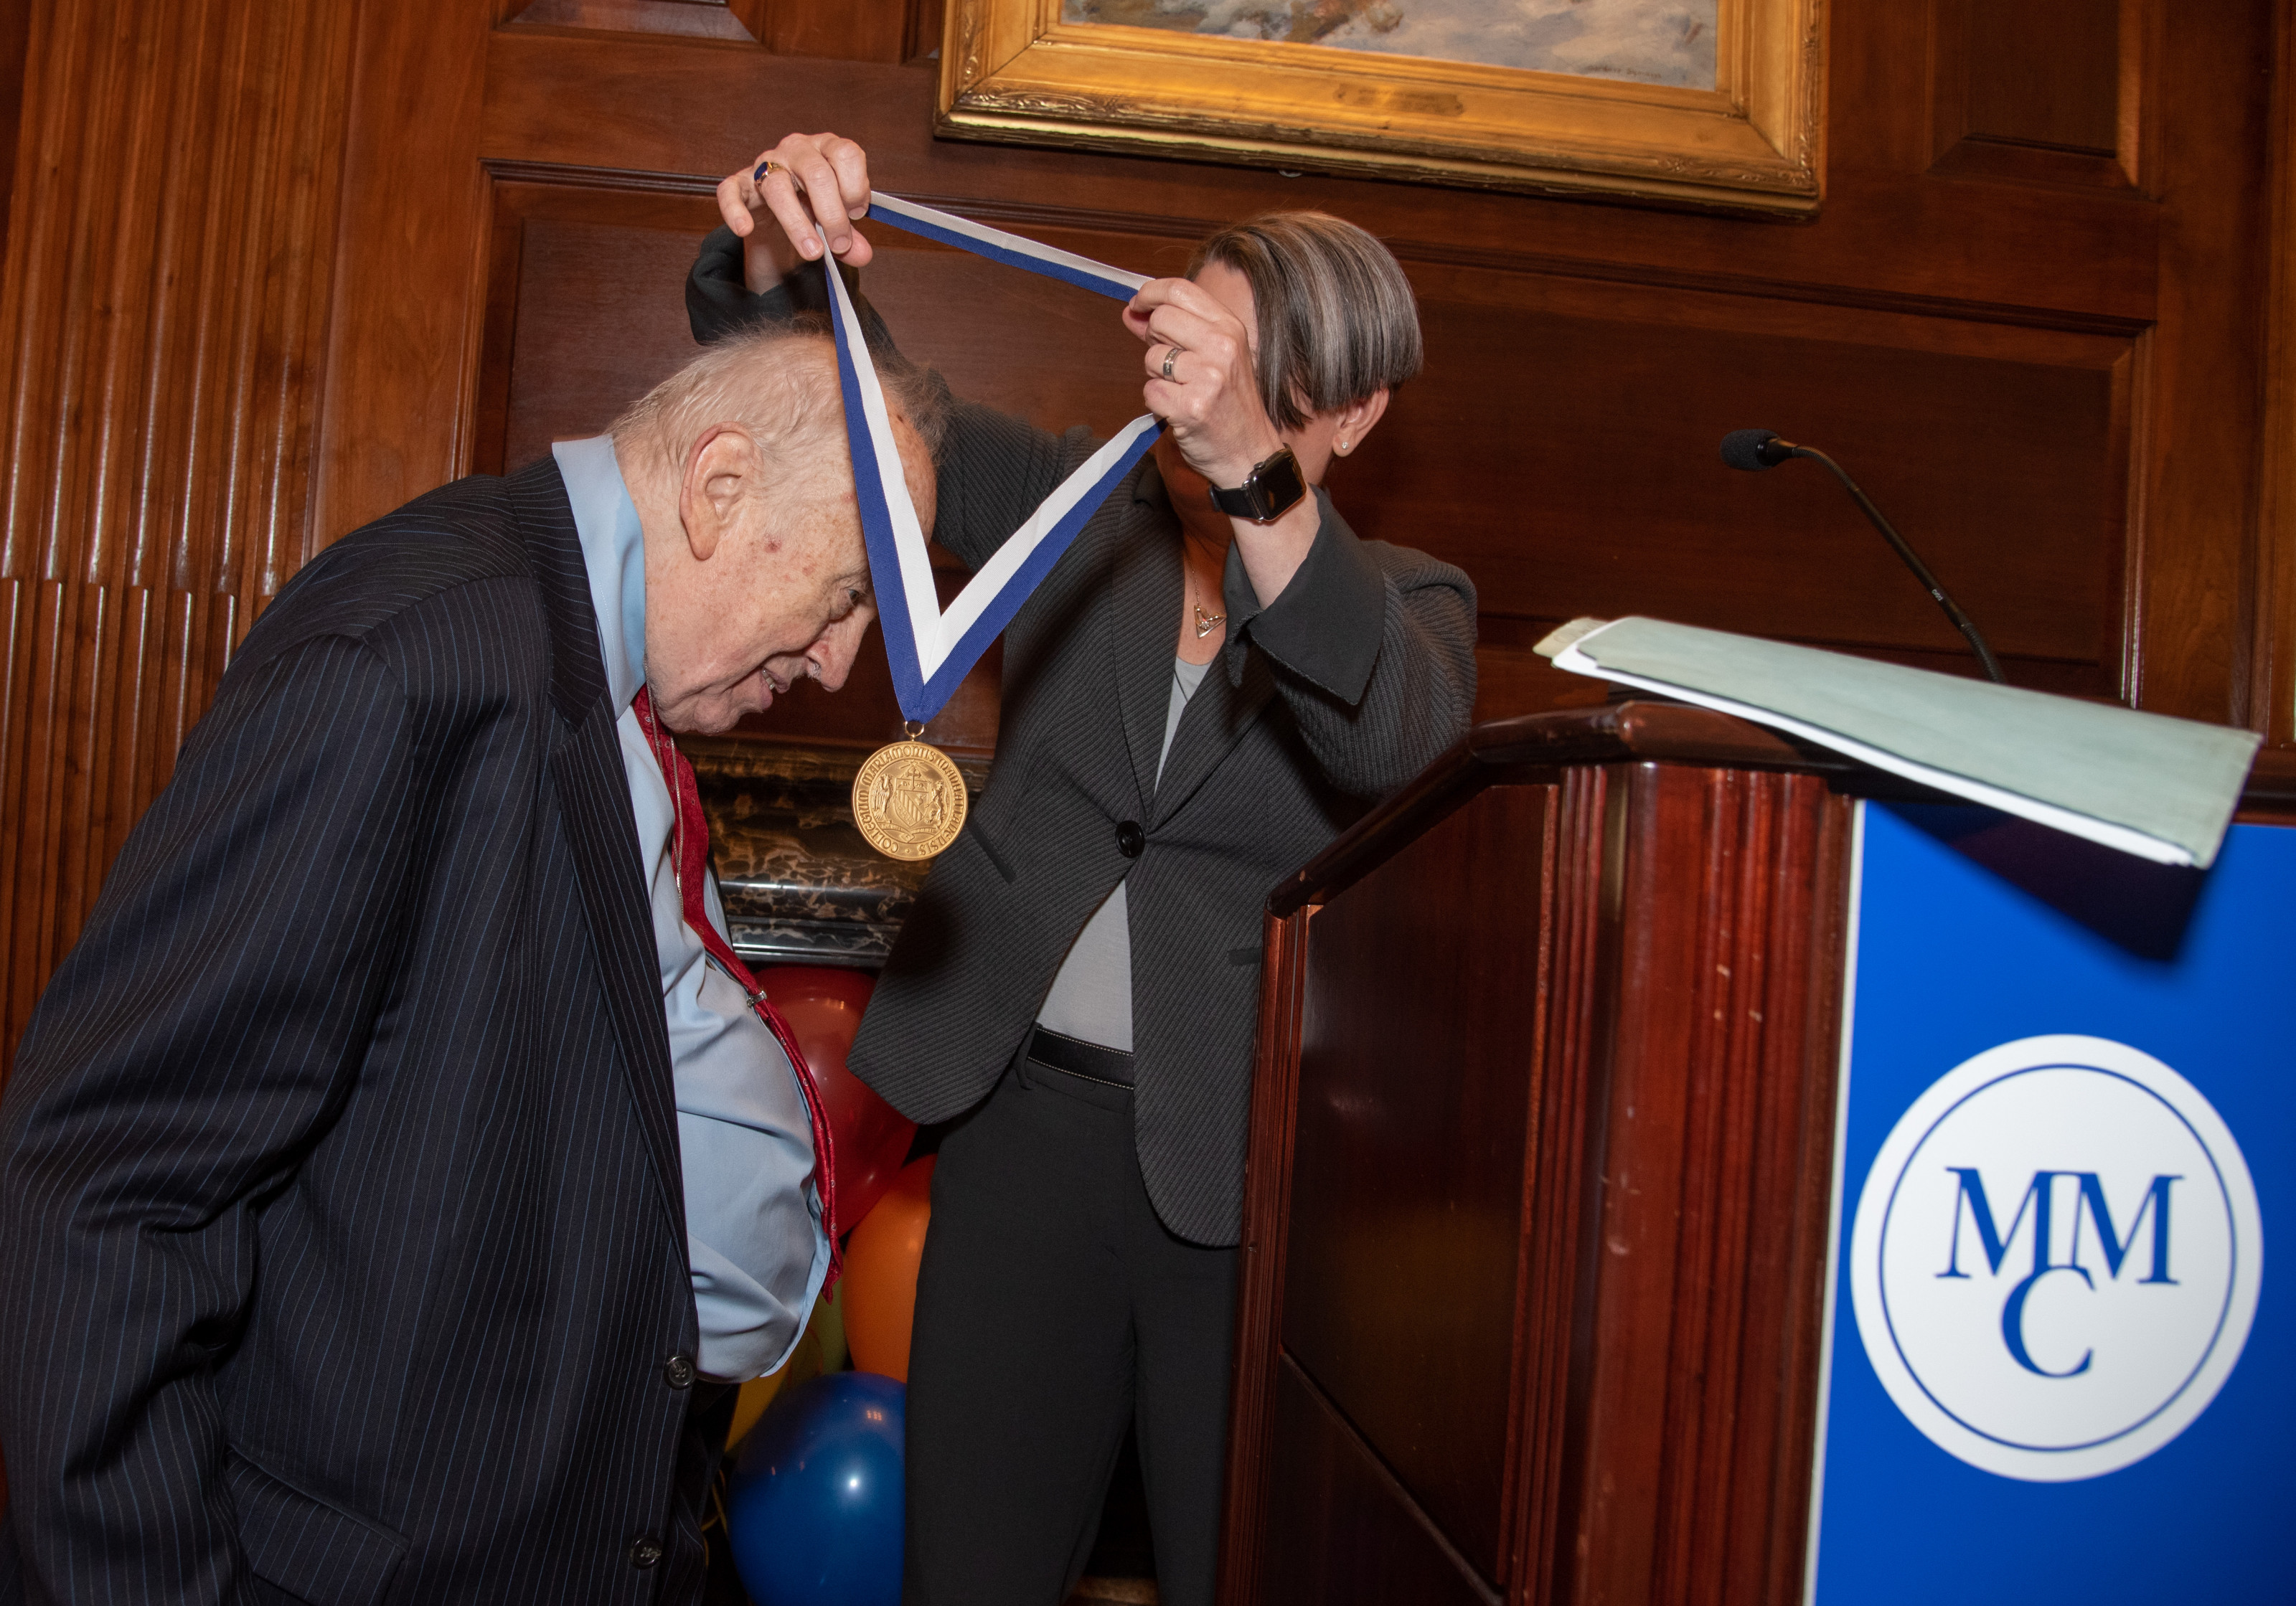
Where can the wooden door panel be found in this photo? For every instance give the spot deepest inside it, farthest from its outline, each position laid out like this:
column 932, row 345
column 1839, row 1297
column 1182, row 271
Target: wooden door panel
column 2041, row 90
column 599, row 322
column 1999, row 464
column 1400, row 1288
column 1344, row 1533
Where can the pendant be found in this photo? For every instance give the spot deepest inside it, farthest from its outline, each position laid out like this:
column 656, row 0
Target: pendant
column 1206, row 623
column 909, row 798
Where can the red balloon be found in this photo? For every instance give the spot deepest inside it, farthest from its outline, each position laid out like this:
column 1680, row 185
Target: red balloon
column 822, row 1007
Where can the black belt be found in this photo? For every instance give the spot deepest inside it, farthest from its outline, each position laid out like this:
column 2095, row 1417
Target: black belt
column 1094, row 1062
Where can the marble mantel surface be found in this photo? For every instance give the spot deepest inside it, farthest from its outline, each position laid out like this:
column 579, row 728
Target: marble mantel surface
column 799, row 884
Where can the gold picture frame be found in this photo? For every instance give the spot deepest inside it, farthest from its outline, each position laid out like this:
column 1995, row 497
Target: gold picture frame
column 1013, row 72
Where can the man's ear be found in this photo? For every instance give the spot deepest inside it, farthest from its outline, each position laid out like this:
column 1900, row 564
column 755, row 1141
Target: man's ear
column 721, row 472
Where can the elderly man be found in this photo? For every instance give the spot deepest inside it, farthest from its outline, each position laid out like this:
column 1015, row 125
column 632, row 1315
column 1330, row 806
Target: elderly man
column 390, row 1183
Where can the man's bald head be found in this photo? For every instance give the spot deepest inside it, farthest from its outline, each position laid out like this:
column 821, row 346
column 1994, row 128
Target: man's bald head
column 756, row 575
column 780, row 382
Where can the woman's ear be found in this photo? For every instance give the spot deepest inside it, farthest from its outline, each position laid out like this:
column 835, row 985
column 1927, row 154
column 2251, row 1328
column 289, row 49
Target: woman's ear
column 721, row 472
column 1355, row 421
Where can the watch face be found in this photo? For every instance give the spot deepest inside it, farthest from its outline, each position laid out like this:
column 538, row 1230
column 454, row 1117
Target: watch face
column 1267, row 492
column 1279, row 483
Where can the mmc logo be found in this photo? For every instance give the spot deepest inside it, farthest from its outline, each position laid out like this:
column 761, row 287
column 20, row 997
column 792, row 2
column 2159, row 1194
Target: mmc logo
column 2038, row 1198
column 2056, row 1259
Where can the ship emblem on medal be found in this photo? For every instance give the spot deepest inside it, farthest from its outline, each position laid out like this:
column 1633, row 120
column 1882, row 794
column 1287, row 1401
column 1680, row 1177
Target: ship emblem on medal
column 909, row 800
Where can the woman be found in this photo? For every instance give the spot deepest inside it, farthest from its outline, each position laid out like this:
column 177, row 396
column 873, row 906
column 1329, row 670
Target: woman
column 1195, row 701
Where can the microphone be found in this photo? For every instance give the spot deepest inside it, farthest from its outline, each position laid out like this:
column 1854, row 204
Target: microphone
column 1754, row 450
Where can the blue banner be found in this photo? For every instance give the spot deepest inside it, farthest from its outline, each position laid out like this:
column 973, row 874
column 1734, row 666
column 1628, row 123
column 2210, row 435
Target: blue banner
column 2056, row 1370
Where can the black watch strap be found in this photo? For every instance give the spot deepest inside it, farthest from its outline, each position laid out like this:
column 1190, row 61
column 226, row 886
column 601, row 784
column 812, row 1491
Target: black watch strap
column 1272, row 487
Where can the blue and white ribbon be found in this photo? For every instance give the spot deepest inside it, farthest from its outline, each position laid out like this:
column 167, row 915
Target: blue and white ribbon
column 930, row 651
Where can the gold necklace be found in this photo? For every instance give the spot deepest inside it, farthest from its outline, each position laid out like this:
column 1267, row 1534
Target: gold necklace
column 1206, row 623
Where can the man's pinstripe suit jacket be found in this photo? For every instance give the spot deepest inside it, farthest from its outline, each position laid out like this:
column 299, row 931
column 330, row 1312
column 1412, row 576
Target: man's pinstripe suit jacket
column 341, row 1235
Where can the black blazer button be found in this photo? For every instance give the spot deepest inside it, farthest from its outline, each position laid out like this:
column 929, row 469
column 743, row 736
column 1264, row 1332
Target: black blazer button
column 678, row 1372
column 1130, row 839
column 645, row 1550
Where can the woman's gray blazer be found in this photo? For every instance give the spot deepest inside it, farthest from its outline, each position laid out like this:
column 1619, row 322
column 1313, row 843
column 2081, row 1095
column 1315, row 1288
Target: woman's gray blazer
column 1361, row 672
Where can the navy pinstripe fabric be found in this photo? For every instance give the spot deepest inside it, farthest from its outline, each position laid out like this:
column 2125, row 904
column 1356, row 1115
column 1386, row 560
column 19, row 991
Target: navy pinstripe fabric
column 340, row 1229
column 1359, row 677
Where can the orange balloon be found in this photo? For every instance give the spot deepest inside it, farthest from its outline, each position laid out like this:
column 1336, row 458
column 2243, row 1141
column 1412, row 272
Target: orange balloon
column 880, row 1291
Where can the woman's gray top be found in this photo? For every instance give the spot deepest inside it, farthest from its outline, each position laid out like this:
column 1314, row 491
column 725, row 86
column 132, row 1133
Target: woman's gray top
column 1091, row 998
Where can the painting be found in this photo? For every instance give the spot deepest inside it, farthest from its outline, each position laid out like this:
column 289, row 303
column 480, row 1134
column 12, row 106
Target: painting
column 1714, row 103
column 1666, row 42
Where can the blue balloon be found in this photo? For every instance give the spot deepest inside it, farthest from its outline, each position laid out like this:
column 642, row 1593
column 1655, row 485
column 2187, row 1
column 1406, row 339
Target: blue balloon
column 814, row 1506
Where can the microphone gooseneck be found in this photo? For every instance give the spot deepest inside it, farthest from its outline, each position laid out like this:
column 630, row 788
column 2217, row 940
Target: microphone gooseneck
column 1754, row 450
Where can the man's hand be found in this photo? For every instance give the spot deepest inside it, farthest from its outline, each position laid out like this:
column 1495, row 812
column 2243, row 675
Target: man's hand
column 819, row 183
column 1208, row 393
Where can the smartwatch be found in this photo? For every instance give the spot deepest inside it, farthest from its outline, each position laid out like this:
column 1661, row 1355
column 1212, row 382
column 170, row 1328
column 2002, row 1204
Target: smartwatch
column 1269, row 491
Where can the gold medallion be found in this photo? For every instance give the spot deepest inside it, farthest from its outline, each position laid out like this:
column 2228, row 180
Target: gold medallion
column 909, row 798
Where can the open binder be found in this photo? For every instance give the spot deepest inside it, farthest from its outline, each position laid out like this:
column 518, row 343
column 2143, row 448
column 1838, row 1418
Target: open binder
column 2161, row 788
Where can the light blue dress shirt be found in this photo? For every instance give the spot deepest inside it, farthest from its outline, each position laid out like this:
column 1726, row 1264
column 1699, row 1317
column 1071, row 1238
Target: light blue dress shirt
column 753, row 1232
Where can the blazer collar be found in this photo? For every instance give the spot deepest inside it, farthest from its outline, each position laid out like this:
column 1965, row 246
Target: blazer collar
column 594, row 801
column 1144, row 598
column 1215, row 720
column 1143, row 601
column 545, row 518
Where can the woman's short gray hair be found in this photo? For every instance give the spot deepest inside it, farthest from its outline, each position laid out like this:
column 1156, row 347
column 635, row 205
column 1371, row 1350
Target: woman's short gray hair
column 1336, row 318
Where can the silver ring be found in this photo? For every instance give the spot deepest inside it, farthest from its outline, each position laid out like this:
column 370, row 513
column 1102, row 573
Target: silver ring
column 1171, row 357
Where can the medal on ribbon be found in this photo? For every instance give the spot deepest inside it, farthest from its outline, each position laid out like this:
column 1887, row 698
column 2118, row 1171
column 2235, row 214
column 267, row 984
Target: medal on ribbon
column 909, row 798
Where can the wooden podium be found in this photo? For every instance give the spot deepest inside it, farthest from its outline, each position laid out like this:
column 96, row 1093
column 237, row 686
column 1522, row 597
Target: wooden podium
column 1535, row 1230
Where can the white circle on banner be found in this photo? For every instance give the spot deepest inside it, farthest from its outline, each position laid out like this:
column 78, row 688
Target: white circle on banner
column 2057, row 1258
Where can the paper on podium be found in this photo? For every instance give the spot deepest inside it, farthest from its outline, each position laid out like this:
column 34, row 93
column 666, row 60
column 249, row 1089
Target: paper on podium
column 2161, row 788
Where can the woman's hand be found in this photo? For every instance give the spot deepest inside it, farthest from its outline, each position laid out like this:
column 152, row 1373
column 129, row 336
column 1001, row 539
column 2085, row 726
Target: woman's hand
column 1203, row 380
column 819, row 184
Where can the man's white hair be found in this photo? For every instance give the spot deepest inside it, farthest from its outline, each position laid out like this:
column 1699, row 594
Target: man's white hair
column 779, row 383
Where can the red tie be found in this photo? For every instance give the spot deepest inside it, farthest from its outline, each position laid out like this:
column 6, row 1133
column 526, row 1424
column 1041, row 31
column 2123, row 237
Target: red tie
column 690, row 860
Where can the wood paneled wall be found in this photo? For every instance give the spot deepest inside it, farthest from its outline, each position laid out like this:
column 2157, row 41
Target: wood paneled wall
column 170, row 249
column 274, row 268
